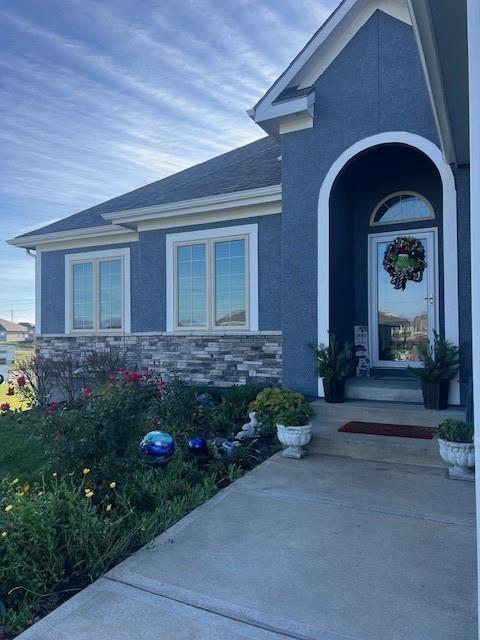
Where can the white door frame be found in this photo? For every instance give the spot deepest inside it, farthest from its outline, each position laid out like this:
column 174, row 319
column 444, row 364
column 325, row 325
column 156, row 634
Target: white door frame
column 433, row 317
column 450, row 261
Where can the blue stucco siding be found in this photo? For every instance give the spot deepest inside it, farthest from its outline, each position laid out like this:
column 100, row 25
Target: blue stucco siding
column 148, row 277
column 375, row 84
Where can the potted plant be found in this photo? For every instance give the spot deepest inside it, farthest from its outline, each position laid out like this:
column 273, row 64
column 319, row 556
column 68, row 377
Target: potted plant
column 455, row 443
column 290, row 413
column 440, row 360
column 334, row 365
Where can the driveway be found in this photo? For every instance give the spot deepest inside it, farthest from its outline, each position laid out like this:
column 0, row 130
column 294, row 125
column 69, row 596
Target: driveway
column 324, row 548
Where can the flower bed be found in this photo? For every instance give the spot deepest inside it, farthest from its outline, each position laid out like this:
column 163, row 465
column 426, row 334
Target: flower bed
column 96, row 502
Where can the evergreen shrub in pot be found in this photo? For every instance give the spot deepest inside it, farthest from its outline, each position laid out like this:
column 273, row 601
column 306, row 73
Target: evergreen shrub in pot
column 440, row 360
column 334, row 365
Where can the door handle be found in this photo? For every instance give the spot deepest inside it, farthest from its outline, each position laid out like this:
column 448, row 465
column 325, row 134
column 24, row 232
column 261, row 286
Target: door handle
column 429, row 299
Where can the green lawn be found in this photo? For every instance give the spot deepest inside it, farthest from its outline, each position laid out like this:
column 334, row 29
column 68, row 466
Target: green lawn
column 20, row 452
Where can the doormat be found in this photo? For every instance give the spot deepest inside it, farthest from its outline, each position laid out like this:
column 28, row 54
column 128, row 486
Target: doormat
column 396, row 430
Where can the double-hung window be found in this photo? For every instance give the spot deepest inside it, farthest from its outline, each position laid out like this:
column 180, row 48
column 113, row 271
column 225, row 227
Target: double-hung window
column 212, row 281
column 96, row 291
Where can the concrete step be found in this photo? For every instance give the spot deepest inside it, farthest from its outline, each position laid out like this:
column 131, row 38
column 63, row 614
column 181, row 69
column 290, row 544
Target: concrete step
column 329, row 441
column 385, row 412
column 386, row 389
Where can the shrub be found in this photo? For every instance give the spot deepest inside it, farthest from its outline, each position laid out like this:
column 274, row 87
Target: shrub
column 232, row 412
column 440, row 361
column 279, row 406
column 454, row 431
column 36, row 374
column 102, row 430
column 102, row 364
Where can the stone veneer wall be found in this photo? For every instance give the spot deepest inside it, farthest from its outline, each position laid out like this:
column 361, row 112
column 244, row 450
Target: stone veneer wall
column 220, row 360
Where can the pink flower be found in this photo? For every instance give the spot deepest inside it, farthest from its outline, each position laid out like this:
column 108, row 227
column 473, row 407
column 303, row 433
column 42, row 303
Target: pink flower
column 147, row 375
column 4, row 407
column 161, row 384
column 87, row 392
column 21, row 380
column 52, row 406
column 10, row 391
column 111, row 377
column 124, row 373
column 134, row 376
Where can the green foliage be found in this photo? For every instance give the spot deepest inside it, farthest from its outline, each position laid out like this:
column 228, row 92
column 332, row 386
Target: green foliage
column 281, row 406
column 98, row 503
column 101, row 431
column 233, row 409
column 454, row 431
column 333, row 362
column 440, row 361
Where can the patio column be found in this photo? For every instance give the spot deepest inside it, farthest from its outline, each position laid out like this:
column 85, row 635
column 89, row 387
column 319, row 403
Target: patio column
column 473, row 20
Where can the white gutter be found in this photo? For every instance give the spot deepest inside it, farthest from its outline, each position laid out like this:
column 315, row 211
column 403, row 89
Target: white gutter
column 235, row 200
column 473, row 31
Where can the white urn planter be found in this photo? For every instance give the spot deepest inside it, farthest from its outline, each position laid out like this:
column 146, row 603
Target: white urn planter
column 294, row 439
column 461, row 458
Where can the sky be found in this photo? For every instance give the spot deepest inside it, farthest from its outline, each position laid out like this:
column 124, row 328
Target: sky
column 100, row 97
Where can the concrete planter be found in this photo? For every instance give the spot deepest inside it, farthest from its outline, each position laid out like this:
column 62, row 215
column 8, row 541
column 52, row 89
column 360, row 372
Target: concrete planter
column 461, row 458
column 294, row 439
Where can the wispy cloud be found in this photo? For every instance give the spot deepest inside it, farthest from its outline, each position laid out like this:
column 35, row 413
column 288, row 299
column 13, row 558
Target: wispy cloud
column 99, row 98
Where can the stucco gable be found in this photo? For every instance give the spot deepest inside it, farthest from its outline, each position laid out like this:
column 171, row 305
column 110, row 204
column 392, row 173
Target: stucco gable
column 290, row 99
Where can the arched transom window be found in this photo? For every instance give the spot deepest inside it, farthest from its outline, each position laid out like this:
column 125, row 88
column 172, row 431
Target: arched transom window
column 403, row 206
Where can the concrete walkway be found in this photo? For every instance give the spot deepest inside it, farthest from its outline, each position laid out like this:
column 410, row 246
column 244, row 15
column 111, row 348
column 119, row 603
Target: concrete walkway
column 325, row 548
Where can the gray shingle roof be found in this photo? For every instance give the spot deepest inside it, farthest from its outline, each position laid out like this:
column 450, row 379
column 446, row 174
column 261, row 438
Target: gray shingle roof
column 253, row 166
column 6, row 325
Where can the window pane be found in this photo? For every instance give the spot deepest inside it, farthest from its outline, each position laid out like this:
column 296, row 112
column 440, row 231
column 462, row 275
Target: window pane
column 83, row 295
column 230, row 289
column 192, row 285
column 403, row 207
column 110, row 280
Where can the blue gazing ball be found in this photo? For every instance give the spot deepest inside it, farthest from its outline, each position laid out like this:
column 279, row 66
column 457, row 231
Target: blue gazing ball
column 157, row 448
column 197, row 445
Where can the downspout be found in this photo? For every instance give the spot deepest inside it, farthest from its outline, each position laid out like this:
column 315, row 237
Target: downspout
column 473, row 31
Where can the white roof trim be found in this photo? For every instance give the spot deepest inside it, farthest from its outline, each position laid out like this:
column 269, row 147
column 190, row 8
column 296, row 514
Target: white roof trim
column 323, row 48
column 29, row 242
column 263, row 195
column 427, row 48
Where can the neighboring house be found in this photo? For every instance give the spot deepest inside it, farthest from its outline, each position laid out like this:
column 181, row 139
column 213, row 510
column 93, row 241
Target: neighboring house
column 225, row 272
column 12, row 332
column 31, row 329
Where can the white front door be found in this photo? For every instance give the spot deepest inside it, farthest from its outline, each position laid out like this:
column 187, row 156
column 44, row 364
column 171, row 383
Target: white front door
column 401, row 321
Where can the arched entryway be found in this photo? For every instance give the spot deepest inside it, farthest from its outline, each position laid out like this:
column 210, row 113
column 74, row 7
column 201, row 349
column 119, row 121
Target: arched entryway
column 384, row 187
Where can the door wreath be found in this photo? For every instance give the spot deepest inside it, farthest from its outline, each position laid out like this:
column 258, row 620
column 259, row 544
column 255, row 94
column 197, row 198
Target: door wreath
column 404, row 260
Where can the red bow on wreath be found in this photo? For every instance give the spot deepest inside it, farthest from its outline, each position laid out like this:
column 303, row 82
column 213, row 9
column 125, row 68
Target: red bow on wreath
column 404, row 260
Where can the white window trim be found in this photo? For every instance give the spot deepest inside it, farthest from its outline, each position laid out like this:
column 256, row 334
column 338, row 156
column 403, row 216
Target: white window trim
column 86, row 256
column 172, row 239
column 379, row 223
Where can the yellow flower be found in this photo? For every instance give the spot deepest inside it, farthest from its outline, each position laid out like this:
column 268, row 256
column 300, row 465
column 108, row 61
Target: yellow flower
column 4, row 534
column 54, row 474
column 113, row 485
column 16, row 481
column 86, row 471
column 89, row 493
column 26, row 489
column 108, row 507
column 9, row 507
